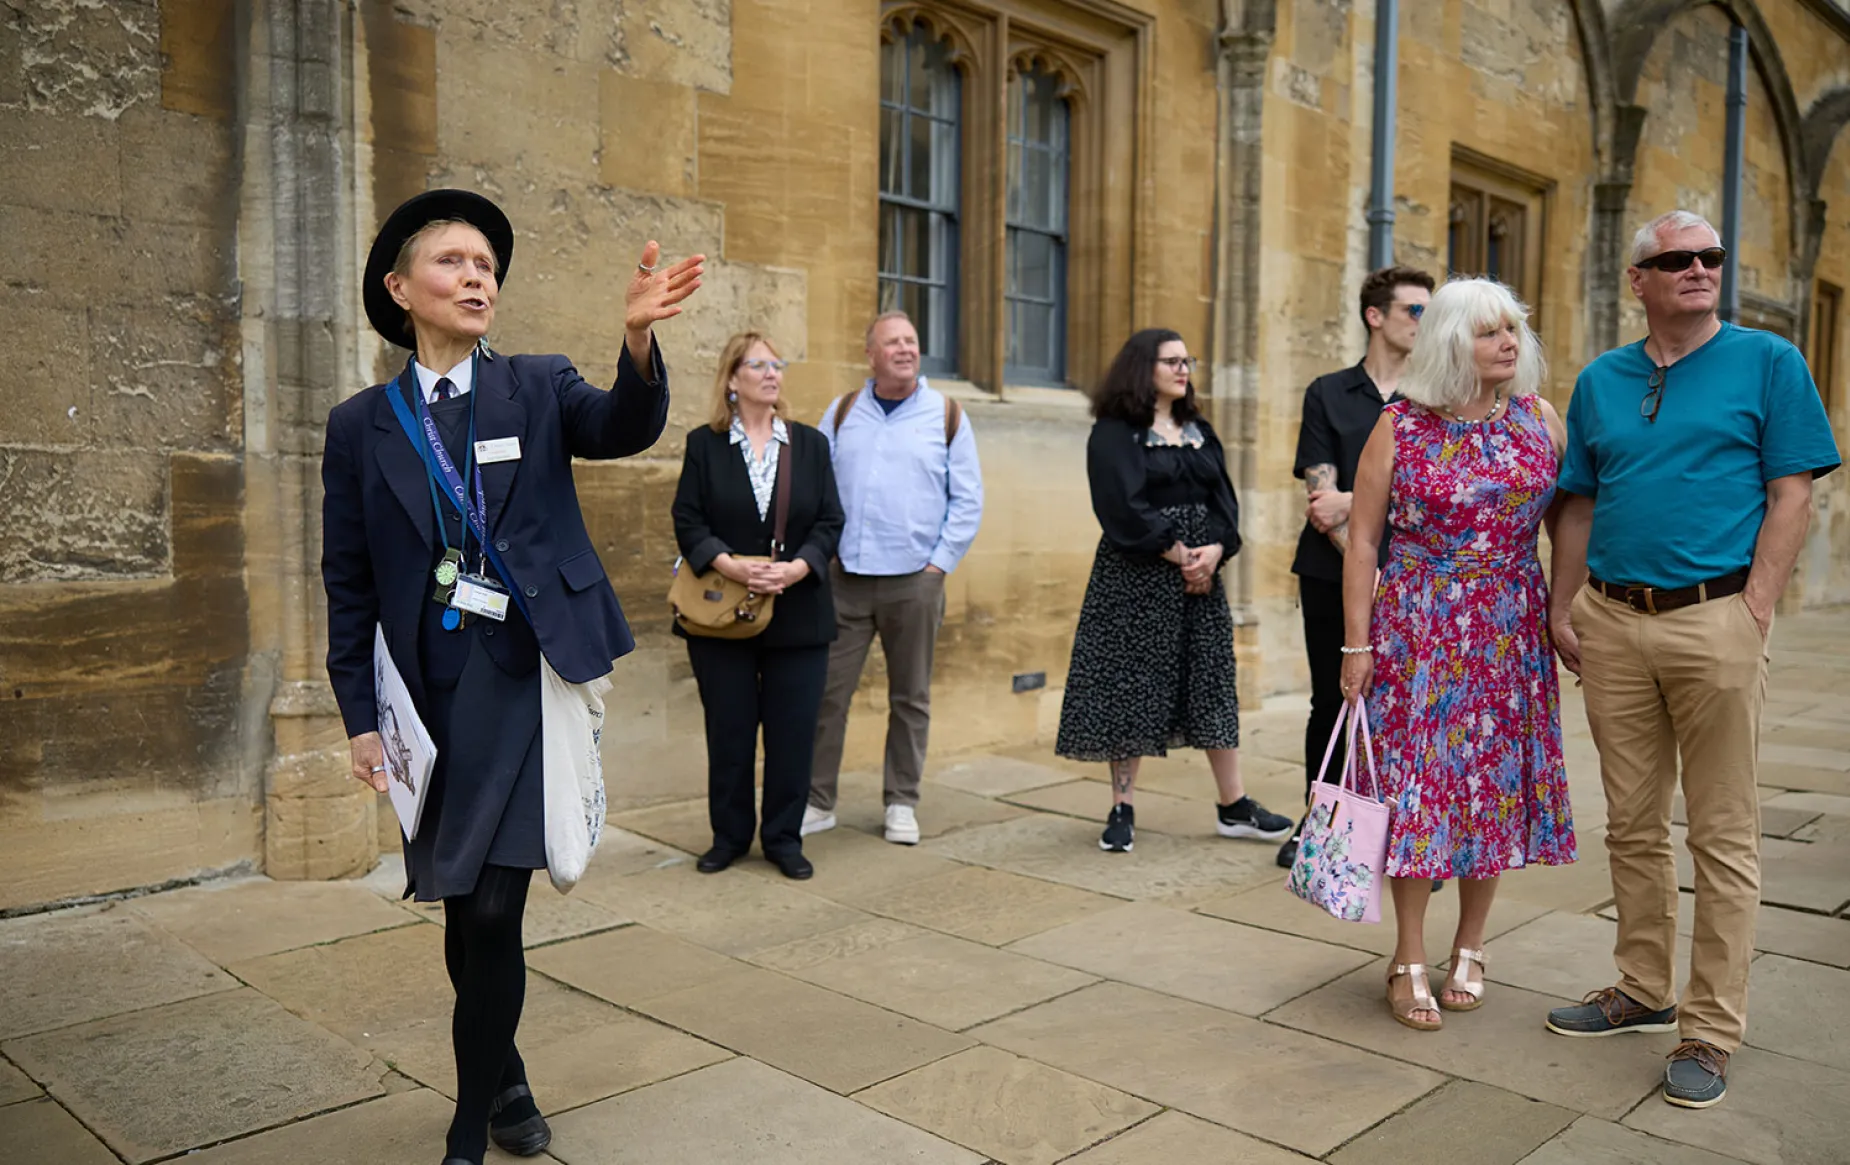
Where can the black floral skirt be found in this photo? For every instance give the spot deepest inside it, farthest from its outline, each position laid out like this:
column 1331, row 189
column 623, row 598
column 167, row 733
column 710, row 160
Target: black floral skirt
column 1152, row 666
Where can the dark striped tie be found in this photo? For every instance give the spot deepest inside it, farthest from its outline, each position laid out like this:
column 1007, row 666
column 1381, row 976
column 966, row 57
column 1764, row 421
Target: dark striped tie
column 446, row 388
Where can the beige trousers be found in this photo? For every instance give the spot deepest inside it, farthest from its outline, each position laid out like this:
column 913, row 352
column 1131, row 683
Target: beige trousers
column 905, row 611
column 1688, row 683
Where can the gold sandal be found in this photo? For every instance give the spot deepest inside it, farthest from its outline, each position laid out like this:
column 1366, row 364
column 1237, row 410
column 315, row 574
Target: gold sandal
column 1457, row 981
column 1422, row 997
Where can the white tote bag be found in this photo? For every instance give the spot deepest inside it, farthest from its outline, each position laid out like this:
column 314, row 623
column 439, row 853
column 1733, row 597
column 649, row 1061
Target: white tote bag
column 572, row 721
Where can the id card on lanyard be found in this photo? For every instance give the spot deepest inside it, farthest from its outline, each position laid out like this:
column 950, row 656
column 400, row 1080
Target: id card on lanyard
column 461, row 591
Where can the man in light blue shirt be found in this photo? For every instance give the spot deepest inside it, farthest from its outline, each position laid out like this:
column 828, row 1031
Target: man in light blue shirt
column 912, row 494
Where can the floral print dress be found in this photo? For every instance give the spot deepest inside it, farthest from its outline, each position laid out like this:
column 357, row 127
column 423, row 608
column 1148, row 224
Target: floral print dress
column 1465, row 705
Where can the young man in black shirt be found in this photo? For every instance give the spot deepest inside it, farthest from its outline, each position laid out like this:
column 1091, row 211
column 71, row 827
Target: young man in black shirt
column 1340, row 411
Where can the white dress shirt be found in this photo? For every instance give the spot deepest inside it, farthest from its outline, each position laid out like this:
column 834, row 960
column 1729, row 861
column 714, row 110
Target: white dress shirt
column 462, row 376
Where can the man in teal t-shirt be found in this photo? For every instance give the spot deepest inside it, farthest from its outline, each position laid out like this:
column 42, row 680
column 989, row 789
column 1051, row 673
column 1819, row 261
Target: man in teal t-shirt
column 1686, row 493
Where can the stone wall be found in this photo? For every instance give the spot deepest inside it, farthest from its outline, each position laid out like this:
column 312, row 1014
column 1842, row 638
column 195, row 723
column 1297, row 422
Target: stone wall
column 126, row 755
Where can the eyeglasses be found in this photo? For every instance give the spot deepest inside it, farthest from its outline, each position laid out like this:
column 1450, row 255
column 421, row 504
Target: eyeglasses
column 1674, row 261
column 1654, row 390
column 1415, row 310
column 764, row 365
column 1179, row 363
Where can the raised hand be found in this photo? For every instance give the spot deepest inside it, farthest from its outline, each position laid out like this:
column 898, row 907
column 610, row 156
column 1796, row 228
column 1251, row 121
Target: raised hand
column 656, row 294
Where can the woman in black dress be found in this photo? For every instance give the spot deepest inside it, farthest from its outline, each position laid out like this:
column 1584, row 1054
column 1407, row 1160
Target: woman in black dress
column 1153, row 661
column 724, row 507
column 458, row 471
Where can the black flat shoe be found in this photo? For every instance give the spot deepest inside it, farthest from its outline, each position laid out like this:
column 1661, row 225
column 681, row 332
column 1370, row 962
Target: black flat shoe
column 795, row 866
column 523, row 1138
column 715, row 860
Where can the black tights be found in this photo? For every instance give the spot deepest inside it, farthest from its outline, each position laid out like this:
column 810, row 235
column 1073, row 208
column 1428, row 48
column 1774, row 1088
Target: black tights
column 488, row 969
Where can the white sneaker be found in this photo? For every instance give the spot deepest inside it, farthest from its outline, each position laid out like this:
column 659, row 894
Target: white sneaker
column 815, row 821
column 902, row 826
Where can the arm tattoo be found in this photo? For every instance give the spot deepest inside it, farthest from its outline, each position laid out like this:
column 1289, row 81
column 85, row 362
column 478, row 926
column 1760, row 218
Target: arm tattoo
column 1323, row 476
column 1122, row 773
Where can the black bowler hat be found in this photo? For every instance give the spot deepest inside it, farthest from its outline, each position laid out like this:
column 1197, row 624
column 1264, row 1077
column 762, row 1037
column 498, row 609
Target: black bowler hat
column 388, row 319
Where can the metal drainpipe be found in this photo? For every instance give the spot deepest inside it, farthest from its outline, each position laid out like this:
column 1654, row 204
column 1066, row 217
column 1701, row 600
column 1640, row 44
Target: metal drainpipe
column 1381, row 169
column 1732, row 166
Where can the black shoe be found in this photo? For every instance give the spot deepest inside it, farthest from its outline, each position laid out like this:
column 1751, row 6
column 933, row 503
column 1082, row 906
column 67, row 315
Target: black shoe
column 1288, row 853
column 523, row 1138
column 1248, row 818
column 715, row 860
column 1607, row 1012
column 1120, row 830
column 794, row 865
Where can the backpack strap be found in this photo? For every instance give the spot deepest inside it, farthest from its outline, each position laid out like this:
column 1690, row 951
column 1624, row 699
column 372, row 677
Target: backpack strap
column 953, row 419
column 842, row 406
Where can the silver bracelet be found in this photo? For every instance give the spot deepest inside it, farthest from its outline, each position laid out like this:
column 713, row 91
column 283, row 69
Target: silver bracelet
column 1369, row 650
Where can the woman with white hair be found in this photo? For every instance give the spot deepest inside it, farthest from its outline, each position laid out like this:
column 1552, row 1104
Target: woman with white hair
column 1450, row 648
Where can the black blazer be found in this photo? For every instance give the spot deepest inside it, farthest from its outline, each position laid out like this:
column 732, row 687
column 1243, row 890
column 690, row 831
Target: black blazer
column 379, row 532
column 715, row 513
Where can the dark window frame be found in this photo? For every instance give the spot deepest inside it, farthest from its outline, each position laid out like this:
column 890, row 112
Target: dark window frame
column 1052, row 223
column 941, row 209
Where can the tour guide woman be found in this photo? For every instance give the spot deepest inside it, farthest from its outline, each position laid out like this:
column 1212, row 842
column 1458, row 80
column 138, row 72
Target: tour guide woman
column 393, row 547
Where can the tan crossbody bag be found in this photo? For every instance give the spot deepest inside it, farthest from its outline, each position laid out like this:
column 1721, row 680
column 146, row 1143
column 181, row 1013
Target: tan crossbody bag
column 712, row 605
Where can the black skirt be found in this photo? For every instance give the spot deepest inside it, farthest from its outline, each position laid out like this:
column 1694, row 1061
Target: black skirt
column 1152, row 665
column 487, row 801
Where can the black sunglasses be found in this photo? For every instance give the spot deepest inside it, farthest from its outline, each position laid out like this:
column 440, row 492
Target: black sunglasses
column 1674, row 261
column 1654, row 391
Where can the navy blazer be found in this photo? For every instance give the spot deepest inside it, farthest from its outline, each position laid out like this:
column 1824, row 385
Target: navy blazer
column 379, row 531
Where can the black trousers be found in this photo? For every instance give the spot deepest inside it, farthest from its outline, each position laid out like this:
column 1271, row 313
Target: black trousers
column 744, row 685
column 1322, row 604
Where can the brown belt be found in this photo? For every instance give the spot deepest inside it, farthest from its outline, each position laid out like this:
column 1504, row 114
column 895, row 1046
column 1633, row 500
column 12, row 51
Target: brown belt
column 1657, row 600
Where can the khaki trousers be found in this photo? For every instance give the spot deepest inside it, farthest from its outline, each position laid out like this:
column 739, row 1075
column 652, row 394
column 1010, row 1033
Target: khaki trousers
column 1689, row 683
column 905, row 611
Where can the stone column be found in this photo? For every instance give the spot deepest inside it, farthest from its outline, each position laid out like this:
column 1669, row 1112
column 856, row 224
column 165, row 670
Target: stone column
column 297, row 266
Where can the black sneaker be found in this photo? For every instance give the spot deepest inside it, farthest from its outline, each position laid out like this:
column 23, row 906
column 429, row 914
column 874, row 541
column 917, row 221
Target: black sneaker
column 1288, row 853
column 1607, row 1012
column 1119, row 828
column 1697, row 1076
column 1248, row 818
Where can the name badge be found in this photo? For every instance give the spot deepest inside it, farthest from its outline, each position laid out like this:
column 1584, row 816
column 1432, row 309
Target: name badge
column 499, row 449
column 480, row 596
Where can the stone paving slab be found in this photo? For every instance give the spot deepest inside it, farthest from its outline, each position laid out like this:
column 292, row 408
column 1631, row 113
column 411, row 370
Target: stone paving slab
column 393, row 1130
column 1794, row 933
column 1792, row 873
column 848, row 942
column 730, row 912
column 229, row 922
column 1503, row 1043
column 995, row 776
column 1564, row 955
column 742, row 1111
column 681, row 824
column 860, row 804
column 1815, row 804
column 1296, row 1090
column 1779, row 1111
column 72, row 966
column 632, row 966
column 1060, row 849
column 15, row 1085
column 855, row 868
column 40, row 1131
column 1582, row 885
column 1275, row 908
column 551, row 916
column 1778, row 775
column 943, row 981
column 1464, row 1121
column 168, row 1078
column 386, row 991
column 1592, row 1141
column 828, row 1039
column 1221, row 964
column 1014, row 1111
column 989, row 906
column 1175, row 1138
column 1798, row 1009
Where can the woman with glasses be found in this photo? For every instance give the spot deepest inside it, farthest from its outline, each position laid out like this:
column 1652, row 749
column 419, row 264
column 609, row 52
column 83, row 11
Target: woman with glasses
column 1152, row 665
column 1451, row 648
column 724, row 520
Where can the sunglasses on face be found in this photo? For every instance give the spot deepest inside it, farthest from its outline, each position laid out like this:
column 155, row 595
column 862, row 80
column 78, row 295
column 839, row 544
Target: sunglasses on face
column 764, row 365
column 1179, row 364
column 1415, row 310
column 1674, row 261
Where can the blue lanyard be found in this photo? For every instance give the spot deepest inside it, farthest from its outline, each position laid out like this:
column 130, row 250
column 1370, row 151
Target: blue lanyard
column 440, row 466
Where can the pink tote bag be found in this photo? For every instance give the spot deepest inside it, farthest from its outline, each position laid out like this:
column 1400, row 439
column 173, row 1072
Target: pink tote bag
column 1342, row 853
